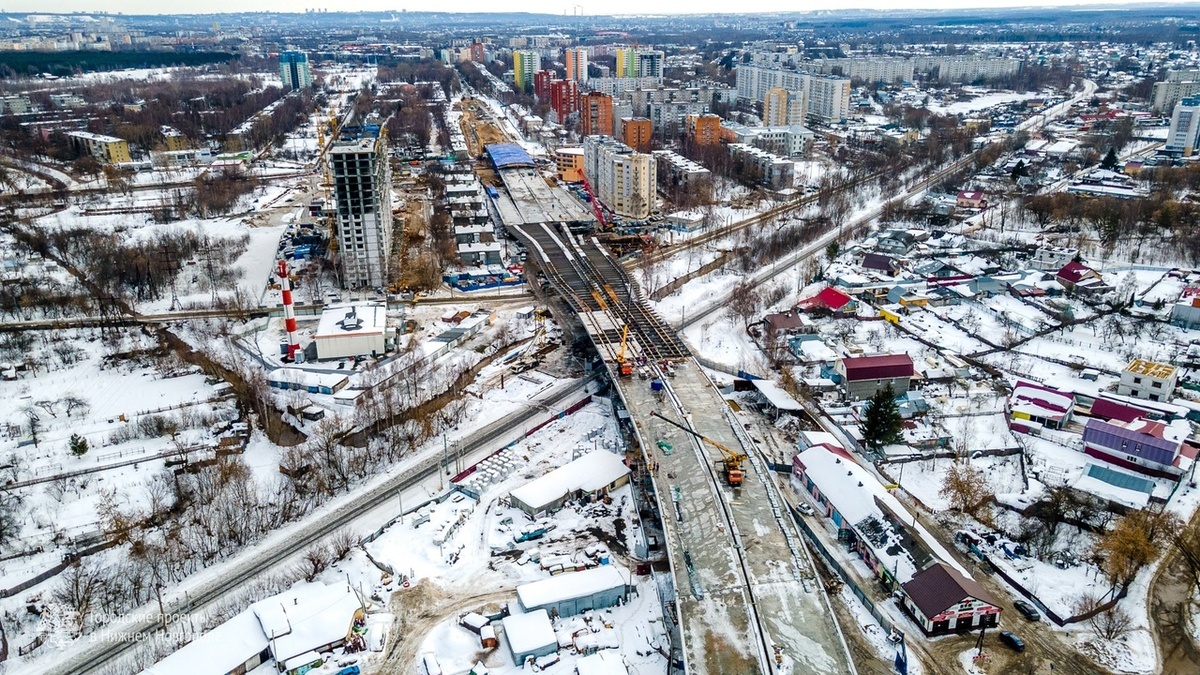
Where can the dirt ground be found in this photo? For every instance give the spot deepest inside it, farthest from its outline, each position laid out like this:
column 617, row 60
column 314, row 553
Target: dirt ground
column 421, row 608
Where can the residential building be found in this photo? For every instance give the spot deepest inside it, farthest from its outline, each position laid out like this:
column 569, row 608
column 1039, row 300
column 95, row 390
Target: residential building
column 623, row 180
column 14, row 104
column 782, row 107
column 896, row 242
column 541, row 84
column 69, row 100
column 576, row 59
column 1032, row 404
column 294, row 70
column 626, row 62
column 1052, row 258
column 788, row 141
column 173, row 139
column 829, row 299
column 1148, row 447
column 1178, row 85
column 1075, row 276
column 827, row 98
column 362, row 188
column 564, row 100
column 1148, row 380
column 637, row 133
column 669, row 117
column 944, row 600
column 570, row 164
column 476, row 52
column 1186, row 312
column 1185, row 127
column 971, row 199
column 678, row 171
column 863, row 376
column 596, row 114
column 649, row 63
column 105, row 149
column 872, row 69
column 769, row 169
column 966, row 68
column 526, row 62
column 704, row 129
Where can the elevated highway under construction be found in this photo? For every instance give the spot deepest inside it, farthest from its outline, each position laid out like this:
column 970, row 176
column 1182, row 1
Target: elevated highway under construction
column 744, row 597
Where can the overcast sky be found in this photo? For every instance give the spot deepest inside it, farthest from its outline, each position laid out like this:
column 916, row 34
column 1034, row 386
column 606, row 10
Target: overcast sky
column 551, row 6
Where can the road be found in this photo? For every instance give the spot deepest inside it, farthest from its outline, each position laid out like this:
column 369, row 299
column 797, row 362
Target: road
column 103, row 646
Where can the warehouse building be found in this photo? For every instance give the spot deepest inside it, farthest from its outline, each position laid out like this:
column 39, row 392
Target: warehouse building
column 593, row 475
column 355, row 329
column 529, row 634
column 575, row 593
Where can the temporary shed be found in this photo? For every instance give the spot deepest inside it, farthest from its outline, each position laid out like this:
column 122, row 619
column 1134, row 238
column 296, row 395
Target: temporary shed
column 595, row 473
column 574, row 593
column 776, row 398
column 529, row 634
column 355, row 329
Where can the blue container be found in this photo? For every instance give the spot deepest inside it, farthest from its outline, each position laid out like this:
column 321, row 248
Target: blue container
column 656, row 385
column 604, row 559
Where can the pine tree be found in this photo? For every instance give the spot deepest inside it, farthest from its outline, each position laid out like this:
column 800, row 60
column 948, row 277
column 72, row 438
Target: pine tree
column 882, row 423
column 1110, row 160
column 79, row 445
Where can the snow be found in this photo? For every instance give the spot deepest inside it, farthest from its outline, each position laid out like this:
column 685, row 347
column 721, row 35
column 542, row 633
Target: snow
column 980, row 102
column 588, row 474
column 601, row 663
column 222, row 649
column 569, row 586
column 529, row 632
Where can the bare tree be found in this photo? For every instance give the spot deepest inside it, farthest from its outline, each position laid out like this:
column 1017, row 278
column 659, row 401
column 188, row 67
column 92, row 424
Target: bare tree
column 1111, row 623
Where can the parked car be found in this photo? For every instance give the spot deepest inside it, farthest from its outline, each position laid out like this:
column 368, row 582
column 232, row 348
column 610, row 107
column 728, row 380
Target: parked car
column 1027, row 610
column 1016, row 643
column 804, row 508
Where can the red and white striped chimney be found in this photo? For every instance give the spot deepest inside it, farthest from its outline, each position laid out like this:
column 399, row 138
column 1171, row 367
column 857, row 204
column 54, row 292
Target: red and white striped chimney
column 289, row 311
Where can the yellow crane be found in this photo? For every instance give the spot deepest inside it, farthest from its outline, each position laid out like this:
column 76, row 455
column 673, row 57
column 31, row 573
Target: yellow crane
column 730, row 467
column 624, row 367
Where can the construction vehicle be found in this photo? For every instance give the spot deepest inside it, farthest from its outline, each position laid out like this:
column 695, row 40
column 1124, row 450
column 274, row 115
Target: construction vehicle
column 624, row 367
column 730, row 467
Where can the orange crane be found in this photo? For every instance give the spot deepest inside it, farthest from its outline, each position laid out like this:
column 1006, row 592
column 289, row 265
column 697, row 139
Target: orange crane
column 730, row 467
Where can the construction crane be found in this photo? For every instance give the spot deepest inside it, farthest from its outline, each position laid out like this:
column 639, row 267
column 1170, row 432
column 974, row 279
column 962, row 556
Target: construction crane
column 730, row 467
column 596, row 209
column 624, row 367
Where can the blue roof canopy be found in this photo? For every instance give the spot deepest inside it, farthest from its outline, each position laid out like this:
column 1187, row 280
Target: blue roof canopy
column 508, row 155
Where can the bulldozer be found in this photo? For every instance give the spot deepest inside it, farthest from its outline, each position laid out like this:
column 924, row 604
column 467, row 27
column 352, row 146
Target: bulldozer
column 730, row 466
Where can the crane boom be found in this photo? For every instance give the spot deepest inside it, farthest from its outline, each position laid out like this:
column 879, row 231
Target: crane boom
column 733, row 459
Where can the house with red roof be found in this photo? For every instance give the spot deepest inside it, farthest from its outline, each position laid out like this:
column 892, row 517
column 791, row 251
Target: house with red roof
column 830, row 299
column 1075, row 276
column 942, row 600
column 863, row 376
column 971, row 199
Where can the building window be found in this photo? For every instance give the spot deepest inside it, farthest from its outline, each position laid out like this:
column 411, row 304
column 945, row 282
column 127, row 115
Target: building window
column 1137, row 380
column 1156, row 385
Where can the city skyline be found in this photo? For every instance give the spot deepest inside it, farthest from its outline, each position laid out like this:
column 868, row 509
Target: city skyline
column 618, row 7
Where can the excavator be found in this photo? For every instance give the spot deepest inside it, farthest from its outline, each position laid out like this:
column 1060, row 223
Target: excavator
column 730, row 467
column 624, row 367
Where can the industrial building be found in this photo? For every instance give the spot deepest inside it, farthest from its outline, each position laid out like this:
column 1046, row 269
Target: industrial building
column 363, row 192
column 529, row 635
column 105, row 149
column 593, row 475
column 350, row 330
column 623, row 180
column 294, row 70
column 295, row 379
column 573, row 593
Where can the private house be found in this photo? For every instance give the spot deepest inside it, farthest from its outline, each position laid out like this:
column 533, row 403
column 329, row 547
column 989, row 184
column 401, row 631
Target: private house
column 1186, row 312
column 881, row 263
column 829, row 299
column 1033, row 404
column 790, row 322
column 896, row 242
column 971, row 199
column 942, row 600
column 862, row 376
column 1148, row 447
column 1052, row 258
column 1075, row 276
column 1148, row 380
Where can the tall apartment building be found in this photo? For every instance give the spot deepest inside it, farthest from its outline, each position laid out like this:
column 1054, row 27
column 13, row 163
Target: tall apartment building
column 704, row 129
column 576, row 59
column 564, row 99
column 294, row 70
column 678, row 171
column 623, row 180
column 626, row 62
column 670, row 117
column 526, row 62
column 596, row 114
column 1180, row 84
column 640, row 63
column 636, row 132
column 824, row 97
column 105, row 149
column 1185, row 126
column 783, row 108
column 476, row 52
column 827, row 98
column 15, row 104
column 542, row 80
column 967, row 68
column 363, row 191
column 872, row 69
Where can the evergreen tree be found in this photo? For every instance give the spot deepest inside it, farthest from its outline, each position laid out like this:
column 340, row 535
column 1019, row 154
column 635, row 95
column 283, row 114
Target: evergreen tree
column 79, row 445
column 1110, row 160
column 1020, row 171
column 882, row 423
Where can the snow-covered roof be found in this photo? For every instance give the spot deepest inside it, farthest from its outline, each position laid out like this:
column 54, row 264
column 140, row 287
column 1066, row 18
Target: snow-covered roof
column 776, row 395
column 221, row 649
column 568, row 586
column 529, row 632
column 357, row 318
column 1040, row 401
column 606, row 662
column 587, row 473
column 306, row 378
column 306, row 617
column 1117, row 486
